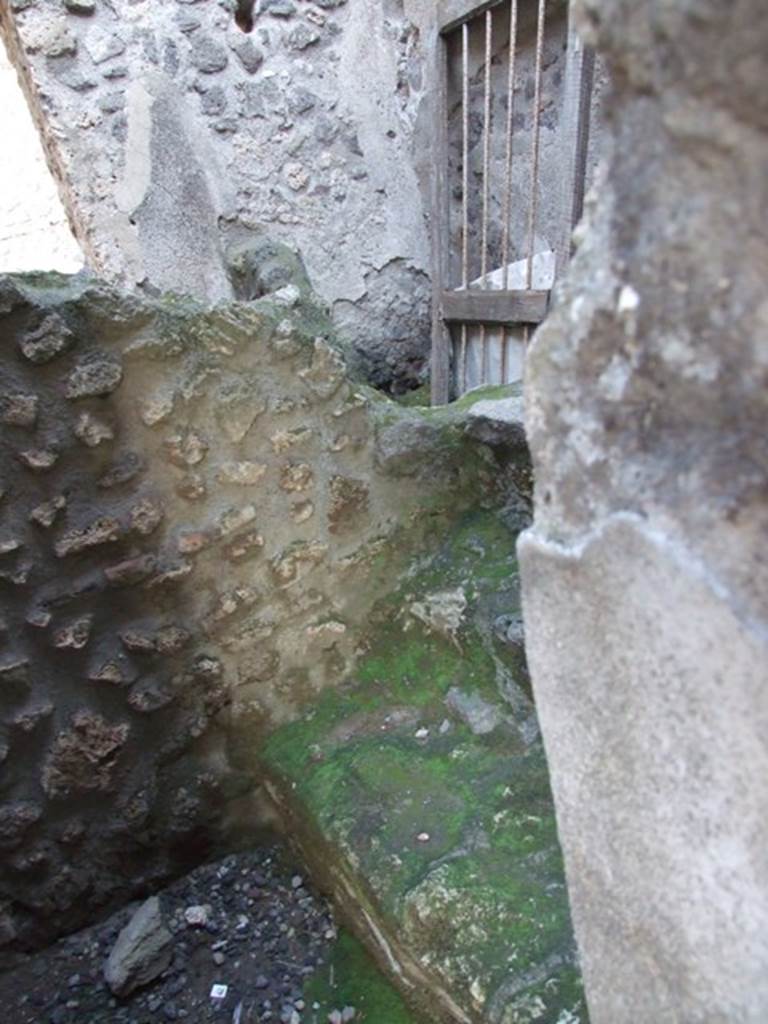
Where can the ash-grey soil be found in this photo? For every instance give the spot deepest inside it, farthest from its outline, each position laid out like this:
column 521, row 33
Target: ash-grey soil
column 266, row 935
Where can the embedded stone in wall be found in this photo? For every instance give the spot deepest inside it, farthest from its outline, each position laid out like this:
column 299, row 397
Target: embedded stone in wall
column 186, row 449
column 296, row 476
column 39, row 460
column 105, row 530
column 348, row 500
column 242, row 474
column 145, row 516
column 92, row 431
column 84, row 757
column 75, row 635
column 18, row 410
column 96, row 375
column 16, row 818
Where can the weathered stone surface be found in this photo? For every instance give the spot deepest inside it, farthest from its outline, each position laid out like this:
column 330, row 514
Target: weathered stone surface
column 16, row 819
column 92, row 431
column 94, row 376
column 156, row 409
column 39, row 459
column 75, row 635
column 45, row 514
column 296, row 476
column 30, row 717
column 18, row 410
column 124, row 469
column 249, row 55
column 207, row 55
column 103, row 45
column 192, row 486
column 241, row 473
column 84, row 757
column 498, row 422
column 645, row 618
column 131, row 571
column 186, row 449
column 236, row 518
column 326, row 372
column 297, row 559
column 244, row 545
column 348, row 501
column 143, row 950
column 145, row 516
column 101, row 531
column 80, row 6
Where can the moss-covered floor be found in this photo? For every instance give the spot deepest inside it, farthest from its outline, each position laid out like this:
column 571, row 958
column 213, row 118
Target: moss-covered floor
column 351, row 979
column 419, row 788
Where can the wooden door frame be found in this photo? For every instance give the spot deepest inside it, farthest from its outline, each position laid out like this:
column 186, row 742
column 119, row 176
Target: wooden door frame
column 494, row 306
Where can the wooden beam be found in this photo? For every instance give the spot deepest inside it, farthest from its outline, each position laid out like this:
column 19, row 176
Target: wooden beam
column 494, row 306
column 452, row 13
column 439, row 225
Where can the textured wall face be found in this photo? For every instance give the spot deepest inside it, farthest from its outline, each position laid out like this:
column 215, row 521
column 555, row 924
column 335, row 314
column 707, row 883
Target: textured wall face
column 178, row 132
column 197, row 511
column 646, row 608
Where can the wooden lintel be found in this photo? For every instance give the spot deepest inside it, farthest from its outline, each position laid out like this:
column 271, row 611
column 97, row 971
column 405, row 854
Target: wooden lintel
column 452, row 13
column 493, row 306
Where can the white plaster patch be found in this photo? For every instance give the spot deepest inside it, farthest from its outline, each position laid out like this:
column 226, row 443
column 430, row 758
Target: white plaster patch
column 613, row 380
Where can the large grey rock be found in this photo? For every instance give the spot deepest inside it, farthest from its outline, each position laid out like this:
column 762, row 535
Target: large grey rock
column 498, row 421
column 142, row 952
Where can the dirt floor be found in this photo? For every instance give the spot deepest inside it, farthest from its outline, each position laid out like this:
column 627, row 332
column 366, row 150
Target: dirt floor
column 250, row 922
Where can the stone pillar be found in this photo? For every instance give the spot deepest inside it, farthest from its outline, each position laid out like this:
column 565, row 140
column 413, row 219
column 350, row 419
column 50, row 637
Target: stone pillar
column 645, row 587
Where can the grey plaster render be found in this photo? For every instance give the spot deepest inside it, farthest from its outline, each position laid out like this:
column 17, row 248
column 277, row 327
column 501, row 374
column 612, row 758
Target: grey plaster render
column 175, row 135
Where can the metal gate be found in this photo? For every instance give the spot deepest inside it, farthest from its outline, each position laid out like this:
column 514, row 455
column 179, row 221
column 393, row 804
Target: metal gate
column 503, row 211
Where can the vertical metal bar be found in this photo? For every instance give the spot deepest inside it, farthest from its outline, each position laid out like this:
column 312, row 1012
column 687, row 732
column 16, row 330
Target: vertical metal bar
column 533, row 203
column 508, row 174
column 441, row 384
column 508, row 156
column 577, row 109
column 462, row 368
column 486, row 180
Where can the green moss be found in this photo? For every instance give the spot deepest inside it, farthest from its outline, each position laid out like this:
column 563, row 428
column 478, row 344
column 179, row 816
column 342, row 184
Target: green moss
column 449, row 835
column 415, row 398
column 489, row 392
column 351, row 978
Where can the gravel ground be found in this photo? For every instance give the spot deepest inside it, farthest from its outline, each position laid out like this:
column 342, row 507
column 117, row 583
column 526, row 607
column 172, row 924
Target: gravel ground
column 263, row 933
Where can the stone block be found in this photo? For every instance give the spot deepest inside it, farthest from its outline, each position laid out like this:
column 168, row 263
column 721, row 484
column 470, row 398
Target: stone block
column 96, row 375
column 83, row 758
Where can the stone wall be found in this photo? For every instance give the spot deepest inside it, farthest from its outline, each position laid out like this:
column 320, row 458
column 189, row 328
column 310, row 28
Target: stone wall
column 644, row 597
column 175, row 133
column 198, row 511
